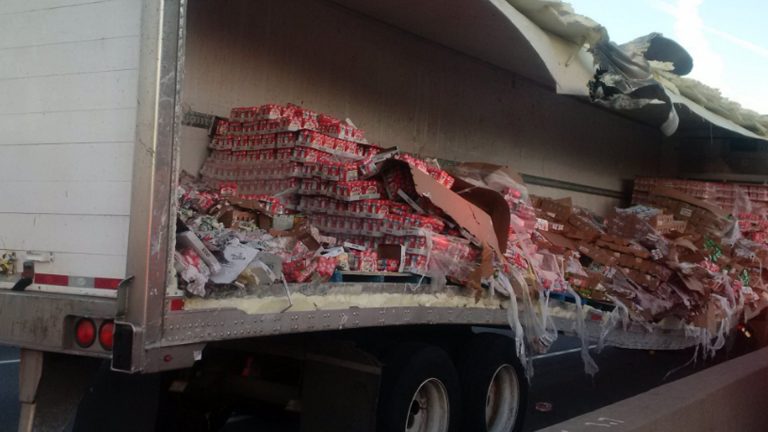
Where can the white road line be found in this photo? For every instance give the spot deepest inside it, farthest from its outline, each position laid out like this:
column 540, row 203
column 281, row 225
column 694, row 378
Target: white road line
column 559, row 353
column 7, row 362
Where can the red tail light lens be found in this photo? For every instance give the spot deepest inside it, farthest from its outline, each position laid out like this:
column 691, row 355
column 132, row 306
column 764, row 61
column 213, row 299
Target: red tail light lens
column 106, row 334
column 85, row 332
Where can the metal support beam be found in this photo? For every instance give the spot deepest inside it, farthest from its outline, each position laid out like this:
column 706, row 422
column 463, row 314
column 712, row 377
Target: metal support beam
column 575, row 187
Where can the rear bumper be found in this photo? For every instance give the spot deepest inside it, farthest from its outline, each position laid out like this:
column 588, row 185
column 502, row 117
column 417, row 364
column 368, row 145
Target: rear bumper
column 40, row 321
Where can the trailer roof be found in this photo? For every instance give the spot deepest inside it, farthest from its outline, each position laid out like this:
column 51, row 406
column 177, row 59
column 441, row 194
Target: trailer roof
column 547, row 42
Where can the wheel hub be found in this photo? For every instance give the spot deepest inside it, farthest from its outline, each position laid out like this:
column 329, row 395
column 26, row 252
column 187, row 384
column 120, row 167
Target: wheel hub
column 502, row 401
column 429, row 409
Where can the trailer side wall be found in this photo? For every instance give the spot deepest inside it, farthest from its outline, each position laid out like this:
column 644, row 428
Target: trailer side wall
column 403, row 90
column 68, row 83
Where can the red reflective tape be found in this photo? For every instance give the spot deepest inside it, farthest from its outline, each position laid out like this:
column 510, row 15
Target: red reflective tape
column 106, row 283
column 51, row 279
column 76, row 281
column 177, row 304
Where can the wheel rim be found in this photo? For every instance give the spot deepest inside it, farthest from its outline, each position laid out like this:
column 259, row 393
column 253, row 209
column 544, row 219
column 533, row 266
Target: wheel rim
column 502, row 400
column 429, row 408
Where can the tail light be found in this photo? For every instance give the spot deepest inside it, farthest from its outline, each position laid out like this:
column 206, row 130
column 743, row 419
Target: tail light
column 85, row 332
column 106, row 335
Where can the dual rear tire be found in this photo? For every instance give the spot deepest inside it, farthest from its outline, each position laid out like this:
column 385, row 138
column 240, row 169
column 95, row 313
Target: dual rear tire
column 424, row 390
column 494, row 387
column 420, row 390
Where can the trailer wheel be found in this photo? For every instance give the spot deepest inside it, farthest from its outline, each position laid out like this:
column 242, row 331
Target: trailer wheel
column 419, row 391
column 494, row 388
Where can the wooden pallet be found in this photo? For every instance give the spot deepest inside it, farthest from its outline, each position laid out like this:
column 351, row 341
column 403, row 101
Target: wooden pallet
column 379, row 277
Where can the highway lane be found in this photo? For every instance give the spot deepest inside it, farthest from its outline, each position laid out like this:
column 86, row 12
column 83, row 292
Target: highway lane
column 559, row 382
column 9, row 388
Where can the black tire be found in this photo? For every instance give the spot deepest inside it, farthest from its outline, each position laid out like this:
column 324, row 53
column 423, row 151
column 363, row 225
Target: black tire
column 406, row 367
column 478, row 363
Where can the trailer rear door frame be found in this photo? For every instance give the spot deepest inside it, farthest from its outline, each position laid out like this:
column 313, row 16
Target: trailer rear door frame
column 141, row 296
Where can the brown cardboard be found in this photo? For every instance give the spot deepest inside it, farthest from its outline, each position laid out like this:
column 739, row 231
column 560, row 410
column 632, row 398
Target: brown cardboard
column 599, row 255
column 248, row 204
column 264, row 222
column 621, row 241
column 658, row 270
column 631, row 261
column 485, row 269
column 484, row 172
column 680, row 196
column 277, row 222
column 675, row 225
column 572, row 232
column 559, row 240
column 661, row 220
column 588, row 282
column 643, row 279
column 585, row 226
column 392, row 251
column 264, row 219
column 469, row 216
column 698, row 214
column 302, row 233
column 557, row 210
column 630, row 249
column 543, row 224
column 627, row 226
column 687, row 255
column 233, row 216
column 491, row 202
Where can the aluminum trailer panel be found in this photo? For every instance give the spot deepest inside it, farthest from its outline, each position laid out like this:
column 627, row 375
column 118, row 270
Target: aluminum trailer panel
column 68, row 116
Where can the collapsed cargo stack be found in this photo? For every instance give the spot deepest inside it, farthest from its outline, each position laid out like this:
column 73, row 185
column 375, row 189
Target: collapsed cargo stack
column 290, row 194
column 671, row 256
column 747, row 202
column 287, row 172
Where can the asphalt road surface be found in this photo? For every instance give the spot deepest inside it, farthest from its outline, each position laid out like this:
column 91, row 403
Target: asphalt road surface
column 559, row 387
column 562, row 389
column 9, row 388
